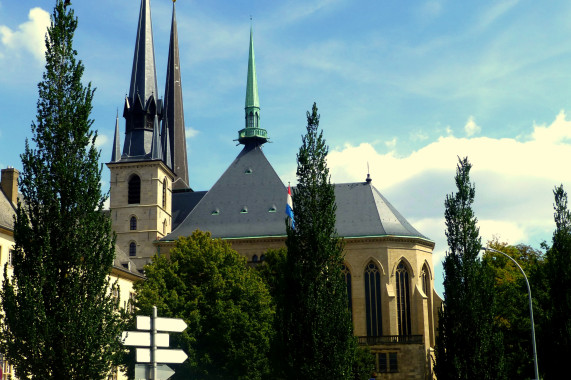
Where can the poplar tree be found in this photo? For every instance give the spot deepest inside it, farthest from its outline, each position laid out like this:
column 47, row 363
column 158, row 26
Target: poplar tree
column 558, row 276
column 468, row 345
column 60, row 317
column 317, row 334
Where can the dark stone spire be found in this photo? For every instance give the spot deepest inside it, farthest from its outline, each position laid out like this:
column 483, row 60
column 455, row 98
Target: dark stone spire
column 116, row 154
column 142, row 105
column 156, row 148
column 167, row 158
column 173, row 122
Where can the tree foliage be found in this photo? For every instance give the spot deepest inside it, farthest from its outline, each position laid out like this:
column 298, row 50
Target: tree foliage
column 224, row 302
column 468, row 344
column 558, row 277
column 512, row 311
column 60, row 319
column 317, row 333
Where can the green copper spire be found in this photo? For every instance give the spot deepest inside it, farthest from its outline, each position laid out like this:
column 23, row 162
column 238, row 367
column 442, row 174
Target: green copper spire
column 252, row 134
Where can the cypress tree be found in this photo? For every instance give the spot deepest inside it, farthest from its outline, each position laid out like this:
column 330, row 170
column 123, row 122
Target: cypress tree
column 468, row 345
column 60, row 319
column 558, row 273
column 318, row 336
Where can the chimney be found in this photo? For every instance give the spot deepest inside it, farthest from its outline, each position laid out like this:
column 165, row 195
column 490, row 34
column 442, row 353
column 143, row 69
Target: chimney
column 10, row 184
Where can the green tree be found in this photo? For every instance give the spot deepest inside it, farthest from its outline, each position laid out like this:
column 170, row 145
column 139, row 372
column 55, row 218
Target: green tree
column 60, row 319
column 224, row 302
column 512, row 311
column 468, row 344
column 317, row 331
column 558, row 277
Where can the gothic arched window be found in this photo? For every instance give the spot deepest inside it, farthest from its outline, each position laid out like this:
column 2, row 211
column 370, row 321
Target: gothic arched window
column 373, row 300
column 403, row 299
column 347, row 275
column 133, row 223
column 134, row 193
column 164, row 193
column 132, row 249
column 425, row 277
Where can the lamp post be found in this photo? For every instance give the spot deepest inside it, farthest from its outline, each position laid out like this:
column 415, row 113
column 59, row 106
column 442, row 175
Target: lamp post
column 530, row 308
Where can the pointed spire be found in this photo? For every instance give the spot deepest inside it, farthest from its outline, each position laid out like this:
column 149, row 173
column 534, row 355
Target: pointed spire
column 252, row 100
column 252, row 134
column 156, row 148
column 116, row 154
column 142, row 105
column 143, row 76
column 167, row 148
column 173, row 122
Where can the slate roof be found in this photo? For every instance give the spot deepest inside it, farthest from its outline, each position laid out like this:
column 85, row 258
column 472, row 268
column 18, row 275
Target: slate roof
column 251, row 183
column 7, row 212
column 247, row 201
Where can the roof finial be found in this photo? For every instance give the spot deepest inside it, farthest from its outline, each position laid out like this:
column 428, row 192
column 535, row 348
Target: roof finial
column 369, row 179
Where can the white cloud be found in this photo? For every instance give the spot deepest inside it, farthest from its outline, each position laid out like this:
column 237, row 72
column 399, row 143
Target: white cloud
column 28, row 36
column 418, row 136
column 391, row 143
column 471, row 128
column 102, row 140
column 514, row 180
column 191, row 132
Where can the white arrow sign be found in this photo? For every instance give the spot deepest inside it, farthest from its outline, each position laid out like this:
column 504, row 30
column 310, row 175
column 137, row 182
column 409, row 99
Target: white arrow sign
column 161, row 355
column 142, row 371
column 141, row 338
column 161, row 324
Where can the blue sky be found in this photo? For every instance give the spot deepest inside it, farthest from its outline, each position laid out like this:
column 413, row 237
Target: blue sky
column 403, row 86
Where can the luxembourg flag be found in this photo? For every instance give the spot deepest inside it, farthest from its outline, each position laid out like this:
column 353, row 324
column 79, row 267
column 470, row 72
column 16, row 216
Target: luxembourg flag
column 289, row 207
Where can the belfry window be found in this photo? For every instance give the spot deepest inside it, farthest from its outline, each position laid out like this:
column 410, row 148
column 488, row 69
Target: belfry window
column 347, row 275
column 132, row 249
column 403, row 299
column 373, row 300
column 133, row 223
column 134, row 193
column 164, row 193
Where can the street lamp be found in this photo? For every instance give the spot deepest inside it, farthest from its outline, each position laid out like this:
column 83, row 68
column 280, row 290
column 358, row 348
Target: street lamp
column 530, row 307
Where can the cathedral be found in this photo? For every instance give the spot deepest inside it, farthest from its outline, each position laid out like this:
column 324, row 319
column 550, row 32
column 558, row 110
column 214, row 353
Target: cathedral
column 388, row 263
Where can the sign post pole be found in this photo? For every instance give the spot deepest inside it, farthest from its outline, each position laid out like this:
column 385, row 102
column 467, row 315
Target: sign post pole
column 154, row 345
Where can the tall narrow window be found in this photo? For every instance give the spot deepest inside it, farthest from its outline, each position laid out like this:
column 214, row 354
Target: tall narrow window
column 164, row 193
column 403, row 299
column 425, row 277
column 133, row 223
column 134, row 193
column 373, row 300
column 347, row 275
column 132, row 249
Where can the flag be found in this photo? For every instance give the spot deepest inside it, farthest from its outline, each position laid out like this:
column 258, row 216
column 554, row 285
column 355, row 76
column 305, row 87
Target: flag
column 289, row 207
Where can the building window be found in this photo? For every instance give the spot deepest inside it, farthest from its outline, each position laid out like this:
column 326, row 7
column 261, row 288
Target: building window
column 10, row 255
column 164, row 193
column 133, row 224
column 134, row 194
column 6, row 368
column 373, row 300
column 255, row 258
column 403, row 299
column 347, row 275
column 131, row 303
column 132, row 249
column 425, row 276
column 387, row 362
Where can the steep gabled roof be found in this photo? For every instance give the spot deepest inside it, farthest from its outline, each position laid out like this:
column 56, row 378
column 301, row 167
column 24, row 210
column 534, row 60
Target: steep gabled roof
column 7, row 212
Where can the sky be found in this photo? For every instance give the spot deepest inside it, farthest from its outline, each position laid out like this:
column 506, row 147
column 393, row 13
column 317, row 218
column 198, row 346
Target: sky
column 404, row 88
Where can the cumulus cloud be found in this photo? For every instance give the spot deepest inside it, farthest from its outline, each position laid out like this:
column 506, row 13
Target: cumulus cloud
column 391, row 143
column 28, row 37
column 471, row 128
column 514, row 180
column 101, row 141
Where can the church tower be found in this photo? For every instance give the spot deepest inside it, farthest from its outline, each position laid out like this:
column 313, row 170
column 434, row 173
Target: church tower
column 143, row 176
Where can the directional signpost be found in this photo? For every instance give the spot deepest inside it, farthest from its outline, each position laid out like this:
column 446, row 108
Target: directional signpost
column 147, row 343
